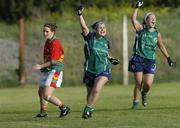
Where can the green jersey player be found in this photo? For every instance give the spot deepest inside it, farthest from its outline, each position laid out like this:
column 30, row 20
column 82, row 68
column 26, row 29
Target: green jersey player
column 97, row 59
column 143, row 61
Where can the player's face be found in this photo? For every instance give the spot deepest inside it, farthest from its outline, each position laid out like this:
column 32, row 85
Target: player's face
column 48, row 34
column 151, row 21
column 101, row 30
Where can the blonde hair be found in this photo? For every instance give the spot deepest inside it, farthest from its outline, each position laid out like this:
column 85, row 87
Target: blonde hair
column 146, row 16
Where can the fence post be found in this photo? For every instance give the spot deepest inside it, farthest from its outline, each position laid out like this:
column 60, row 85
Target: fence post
column 125, row 52
column 22, row 73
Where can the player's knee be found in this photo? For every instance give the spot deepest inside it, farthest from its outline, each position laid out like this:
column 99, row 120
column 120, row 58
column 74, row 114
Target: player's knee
column 96, row 91
column 138, row 85
column 48, row 97
column 147, row 85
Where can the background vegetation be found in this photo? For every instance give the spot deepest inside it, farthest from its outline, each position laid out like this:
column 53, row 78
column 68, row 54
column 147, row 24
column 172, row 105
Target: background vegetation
column 10, row 10
column 63, row 12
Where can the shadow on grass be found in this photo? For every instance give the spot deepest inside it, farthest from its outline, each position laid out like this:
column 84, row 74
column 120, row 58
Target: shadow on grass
column 141, row 109
column 130, row 109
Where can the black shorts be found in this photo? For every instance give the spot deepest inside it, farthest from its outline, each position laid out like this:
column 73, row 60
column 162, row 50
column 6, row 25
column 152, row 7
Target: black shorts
column 140, row 64
column 89, row 77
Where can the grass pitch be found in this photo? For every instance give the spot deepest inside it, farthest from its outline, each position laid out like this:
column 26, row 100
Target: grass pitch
column 18, row 106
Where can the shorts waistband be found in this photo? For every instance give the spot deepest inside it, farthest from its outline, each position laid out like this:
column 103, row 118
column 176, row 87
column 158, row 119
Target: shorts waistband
column 152, row 60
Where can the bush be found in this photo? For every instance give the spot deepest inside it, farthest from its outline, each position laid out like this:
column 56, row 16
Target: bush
column 69, row 33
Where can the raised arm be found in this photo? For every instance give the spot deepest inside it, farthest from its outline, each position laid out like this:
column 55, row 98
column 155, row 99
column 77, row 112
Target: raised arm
column 84, row 28
column 136, row 24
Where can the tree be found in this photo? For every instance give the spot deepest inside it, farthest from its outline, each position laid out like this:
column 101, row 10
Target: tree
column 16, row 11
column 22, row 12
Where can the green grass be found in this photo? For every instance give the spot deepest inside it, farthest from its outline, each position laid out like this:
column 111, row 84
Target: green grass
column 18, row 106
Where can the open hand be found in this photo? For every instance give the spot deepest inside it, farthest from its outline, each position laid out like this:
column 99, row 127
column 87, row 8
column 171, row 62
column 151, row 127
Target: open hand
column 36, row 67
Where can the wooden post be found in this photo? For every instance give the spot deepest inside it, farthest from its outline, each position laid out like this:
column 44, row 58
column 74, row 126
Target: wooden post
column 125, row 52
column 22, row 72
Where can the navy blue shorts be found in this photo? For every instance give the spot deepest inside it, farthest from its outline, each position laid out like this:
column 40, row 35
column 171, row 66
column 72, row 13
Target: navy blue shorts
column 89, row 77
column 140, row 64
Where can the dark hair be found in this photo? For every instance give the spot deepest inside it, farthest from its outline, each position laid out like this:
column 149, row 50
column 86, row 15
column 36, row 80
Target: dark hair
column 96, row 24
column 52, row 26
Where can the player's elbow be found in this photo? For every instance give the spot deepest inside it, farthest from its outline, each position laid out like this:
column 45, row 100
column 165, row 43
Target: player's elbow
column 53, row 62
column 133, row 19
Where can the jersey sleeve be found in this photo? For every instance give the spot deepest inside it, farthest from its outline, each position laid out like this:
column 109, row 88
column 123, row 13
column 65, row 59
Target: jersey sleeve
column 88, row 36
column 108, row 42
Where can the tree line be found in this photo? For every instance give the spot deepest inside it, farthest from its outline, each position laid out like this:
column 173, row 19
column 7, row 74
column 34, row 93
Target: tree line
column 12, row 10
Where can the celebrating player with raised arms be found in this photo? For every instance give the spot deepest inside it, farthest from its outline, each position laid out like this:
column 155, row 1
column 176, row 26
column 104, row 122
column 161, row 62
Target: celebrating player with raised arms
column 143, row 61
column 96, row 66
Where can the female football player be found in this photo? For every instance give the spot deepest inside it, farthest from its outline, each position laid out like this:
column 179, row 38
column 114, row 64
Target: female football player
column 143, row 61
column 51, row 72
column 96, row 66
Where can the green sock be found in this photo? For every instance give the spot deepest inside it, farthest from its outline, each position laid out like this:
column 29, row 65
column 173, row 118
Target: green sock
column 144, row 92
column 88, row 108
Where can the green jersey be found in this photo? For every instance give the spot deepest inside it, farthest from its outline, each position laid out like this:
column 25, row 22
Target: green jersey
column 146, row 44
column 96, row 54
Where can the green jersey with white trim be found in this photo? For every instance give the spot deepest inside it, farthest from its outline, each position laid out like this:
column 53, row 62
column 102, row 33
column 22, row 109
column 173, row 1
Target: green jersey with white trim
column 96, row 54
column 146, row 44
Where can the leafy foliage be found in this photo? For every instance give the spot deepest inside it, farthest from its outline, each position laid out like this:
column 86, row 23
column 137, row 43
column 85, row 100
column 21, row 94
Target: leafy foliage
column 69, row 34
column 11, row 10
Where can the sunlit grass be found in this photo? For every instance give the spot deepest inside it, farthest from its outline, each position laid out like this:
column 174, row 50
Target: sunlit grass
column 18, row 106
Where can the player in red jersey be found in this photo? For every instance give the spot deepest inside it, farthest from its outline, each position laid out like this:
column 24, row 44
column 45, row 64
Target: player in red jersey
column 51, row 72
